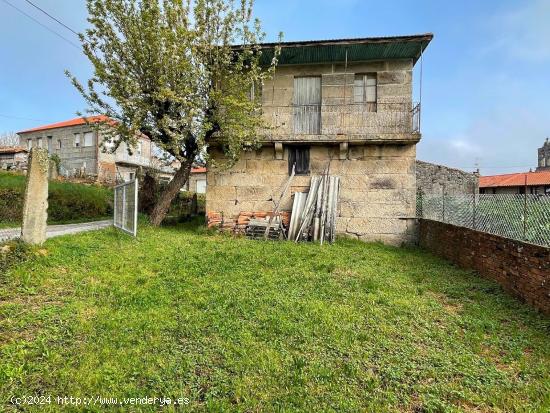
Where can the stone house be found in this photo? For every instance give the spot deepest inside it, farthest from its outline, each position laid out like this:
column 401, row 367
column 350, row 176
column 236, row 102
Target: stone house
column 342, row 104
column 78, row 146
column 13, row 157
column 197, row 180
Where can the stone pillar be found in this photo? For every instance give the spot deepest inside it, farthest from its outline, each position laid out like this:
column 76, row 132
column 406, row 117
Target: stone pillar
column 35, row 207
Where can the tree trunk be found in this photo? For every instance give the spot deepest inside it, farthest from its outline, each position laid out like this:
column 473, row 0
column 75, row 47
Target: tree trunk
column 163, row 204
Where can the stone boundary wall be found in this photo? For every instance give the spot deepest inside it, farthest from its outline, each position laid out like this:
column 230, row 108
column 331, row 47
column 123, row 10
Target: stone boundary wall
column 520, row 268
column 434, row 179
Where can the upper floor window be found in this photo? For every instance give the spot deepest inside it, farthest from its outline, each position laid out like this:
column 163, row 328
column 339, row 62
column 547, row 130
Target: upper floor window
column 39, row 142
column 88, row 139
column 29, row 144
column 364, row 90
column 59, row 144
column 76, row 140
column 307, row 105
column 139, row 148
column 298, row 156
column 50, row 147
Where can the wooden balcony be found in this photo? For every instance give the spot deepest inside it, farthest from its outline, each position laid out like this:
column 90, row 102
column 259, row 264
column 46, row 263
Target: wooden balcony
column 378, row 122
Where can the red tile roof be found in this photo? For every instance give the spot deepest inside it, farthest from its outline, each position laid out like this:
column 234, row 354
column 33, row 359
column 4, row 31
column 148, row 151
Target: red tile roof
column 12, row 149
column 518, row 179
column 72, row 122
column 198, row 170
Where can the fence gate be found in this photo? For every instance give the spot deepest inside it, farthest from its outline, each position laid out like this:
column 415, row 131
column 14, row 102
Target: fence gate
column 126, row 207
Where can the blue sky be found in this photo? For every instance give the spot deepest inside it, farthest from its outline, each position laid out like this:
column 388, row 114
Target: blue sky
column 486, row 83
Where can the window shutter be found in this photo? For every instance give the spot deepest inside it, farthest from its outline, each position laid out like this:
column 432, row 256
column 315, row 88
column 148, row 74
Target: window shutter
column 88, row 139
column 370, row 89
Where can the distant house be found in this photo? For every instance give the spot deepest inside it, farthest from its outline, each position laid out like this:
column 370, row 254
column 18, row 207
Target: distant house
column 518, row 183
column 13, row 157
column 197, row 180
column 78, row 145
column 195, row 183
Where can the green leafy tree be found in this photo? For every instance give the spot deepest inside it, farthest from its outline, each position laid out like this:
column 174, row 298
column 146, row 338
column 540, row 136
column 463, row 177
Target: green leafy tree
column 170, row 70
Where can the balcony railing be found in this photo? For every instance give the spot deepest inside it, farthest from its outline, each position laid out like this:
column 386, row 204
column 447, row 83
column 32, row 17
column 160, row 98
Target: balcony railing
column 354, row 119
column 134, row 159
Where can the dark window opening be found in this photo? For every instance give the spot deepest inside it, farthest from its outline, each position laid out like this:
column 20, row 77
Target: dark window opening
column 298, row 155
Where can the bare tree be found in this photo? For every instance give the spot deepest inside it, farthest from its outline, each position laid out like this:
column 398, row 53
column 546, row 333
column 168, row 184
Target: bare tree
column 9, row 139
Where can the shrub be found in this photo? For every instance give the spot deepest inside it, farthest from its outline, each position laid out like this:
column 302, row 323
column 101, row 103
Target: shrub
column 67, row 201
column 11, row 204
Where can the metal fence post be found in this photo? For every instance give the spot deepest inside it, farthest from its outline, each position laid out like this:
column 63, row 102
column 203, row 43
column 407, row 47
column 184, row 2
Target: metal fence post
column 135, row 205
column 474, row 224
column 525, row 210
column 124, row 207
column 443, row 202
column 419, row 210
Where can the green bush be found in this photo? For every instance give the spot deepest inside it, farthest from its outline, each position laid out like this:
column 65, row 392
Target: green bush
column 67, row 201
column 11, row 204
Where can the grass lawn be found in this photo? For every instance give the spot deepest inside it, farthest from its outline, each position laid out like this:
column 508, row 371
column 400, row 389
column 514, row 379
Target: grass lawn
column 239, row 325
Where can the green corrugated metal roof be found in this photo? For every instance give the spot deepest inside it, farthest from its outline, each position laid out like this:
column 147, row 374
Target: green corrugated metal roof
column 332, row 51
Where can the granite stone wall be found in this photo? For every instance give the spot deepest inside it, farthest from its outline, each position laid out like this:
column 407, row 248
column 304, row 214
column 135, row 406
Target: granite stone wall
column 377, row 193
column 436, row 179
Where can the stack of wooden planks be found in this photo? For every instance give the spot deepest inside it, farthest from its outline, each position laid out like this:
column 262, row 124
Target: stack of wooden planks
column 314, row 213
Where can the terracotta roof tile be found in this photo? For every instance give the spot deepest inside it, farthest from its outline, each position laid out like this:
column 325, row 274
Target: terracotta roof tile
column 517, row 179
column 71, row 122
column 12, row 149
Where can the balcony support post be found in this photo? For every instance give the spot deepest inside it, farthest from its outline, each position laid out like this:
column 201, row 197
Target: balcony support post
column 279, row 150
column 343, row 151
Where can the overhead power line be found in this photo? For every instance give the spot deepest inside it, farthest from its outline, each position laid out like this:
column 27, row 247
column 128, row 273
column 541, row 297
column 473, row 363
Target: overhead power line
column 43, row 25
column 51, row 17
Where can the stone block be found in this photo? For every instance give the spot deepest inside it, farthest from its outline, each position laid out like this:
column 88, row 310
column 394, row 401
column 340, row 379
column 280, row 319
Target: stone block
column 222, row 193
column 392, row 77
column 35, row 205
column 354, row 183
column 254, row 193
column 364, row 226
column 404, row 90
column 405, row 64
column 366, row 209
